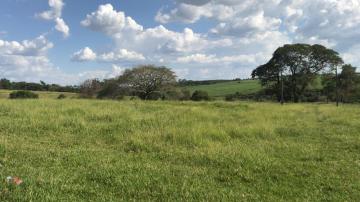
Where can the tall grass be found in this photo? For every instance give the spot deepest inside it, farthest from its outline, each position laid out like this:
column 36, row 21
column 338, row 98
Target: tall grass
column 83, row 150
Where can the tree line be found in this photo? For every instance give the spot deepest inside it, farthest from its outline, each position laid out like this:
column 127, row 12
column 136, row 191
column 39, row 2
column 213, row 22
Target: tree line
column 295, row 73
column 147, row 82
column 42, row 86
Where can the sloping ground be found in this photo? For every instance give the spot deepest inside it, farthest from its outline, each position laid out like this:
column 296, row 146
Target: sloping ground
column 4, row 94
column 83, row 150
column 230, row 87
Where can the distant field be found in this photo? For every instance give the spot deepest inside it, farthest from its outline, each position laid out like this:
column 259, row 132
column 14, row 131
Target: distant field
column 90, row 150
column 42, row 94
column 230, row 87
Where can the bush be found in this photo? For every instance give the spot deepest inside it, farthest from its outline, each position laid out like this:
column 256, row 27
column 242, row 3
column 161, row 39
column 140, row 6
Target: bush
column 61, row 96
column 177, row 94
column 23, row 95
column 200, row 96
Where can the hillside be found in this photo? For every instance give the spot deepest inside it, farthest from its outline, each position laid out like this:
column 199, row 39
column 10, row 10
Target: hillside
column 224, row 88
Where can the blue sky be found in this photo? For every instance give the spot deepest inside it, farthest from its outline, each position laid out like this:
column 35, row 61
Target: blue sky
column 65, row 41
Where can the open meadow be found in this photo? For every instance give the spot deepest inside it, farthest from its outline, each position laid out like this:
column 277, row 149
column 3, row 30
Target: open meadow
column 88, row 150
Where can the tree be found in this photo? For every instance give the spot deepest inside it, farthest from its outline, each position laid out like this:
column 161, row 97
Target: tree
column 147, row 81
column 112, row 90
column 344, row 87
column 200, row 96
column 348, row 83
column 23, row 94
column 294, row 67
column 90, row 87
column 5, row 84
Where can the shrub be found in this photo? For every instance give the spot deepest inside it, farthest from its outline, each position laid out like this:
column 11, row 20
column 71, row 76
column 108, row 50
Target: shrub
column 200, row 96
column 177, row 94
column 61, row 96
column 23, row 95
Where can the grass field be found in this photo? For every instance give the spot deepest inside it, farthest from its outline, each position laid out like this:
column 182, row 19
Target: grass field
column 42, row 94
column 84, row 150
column 222, row 89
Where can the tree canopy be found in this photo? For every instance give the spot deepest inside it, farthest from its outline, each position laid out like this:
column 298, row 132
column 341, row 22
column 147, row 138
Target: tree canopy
column 147, row 80
column 296, row 66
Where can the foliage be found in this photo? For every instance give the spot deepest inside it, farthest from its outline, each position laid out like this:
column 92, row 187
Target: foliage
column 23, row 95
column 297, row 65
column 42, row 86
column 200, row 96
column 112, row 90
column 147, row 81
column 61, row 96
column 222, row 89
column 90, row 88
column 89, row 150
column 348, row 85
column 177, row 94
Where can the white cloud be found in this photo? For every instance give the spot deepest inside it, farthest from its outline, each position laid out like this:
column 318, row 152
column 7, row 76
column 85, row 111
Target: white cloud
column 27, row 60
column 202, row 58
column 35, row 47
column 62, row 27
column 122, row 55
column 128, row 34
column 85, row 54
column 54, row 14
column 101, row 74
column 323, row 19
column 55, row 11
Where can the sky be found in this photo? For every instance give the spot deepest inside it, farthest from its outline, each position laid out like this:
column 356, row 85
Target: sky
column 68, row 41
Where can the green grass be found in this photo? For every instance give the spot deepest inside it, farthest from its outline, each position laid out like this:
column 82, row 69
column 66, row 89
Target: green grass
column 42, row 94
column 83, row 150
column 226, row 88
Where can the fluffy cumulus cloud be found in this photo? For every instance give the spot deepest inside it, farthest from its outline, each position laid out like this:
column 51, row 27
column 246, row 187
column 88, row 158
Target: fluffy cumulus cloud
column 258, row 27
column 86, row 54
column 130, row 35
column 54, row 14
column 26, row 60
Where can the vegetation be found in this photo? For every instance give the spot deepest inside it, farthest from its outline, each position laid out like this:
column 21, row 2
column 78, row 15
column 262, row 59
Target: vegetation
column 61, row 96
column 4, row 94
column 293, row 68
column 224, row 88
column 171, row 151
column 23, row 95
column 200, row 96
column 42, row 86
column 148, row 81
column 90, row 88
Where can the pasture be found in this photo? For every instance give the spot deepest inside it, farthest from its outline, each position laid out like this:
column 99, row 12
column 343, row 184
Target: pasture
column 221, row 89
column 87, row 150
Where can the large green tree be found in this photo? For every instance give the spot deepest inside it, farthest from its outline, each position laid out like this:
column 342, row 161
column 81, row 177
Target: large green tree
column 346, row 86
column 294, row 67
column 148, row 80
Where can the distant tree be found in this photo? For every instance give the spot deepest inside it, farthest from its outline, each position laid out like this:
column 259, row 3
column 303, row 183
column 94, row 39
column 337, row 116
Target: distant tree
column 23, row 95
column 347, row 86
column 90, row 88
column 348, row 83
column 147, row 81
column 61, row 97
column 112, row 90
column 200, row 96
column 45, row 87
column 5, row 84
column 294, row 67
